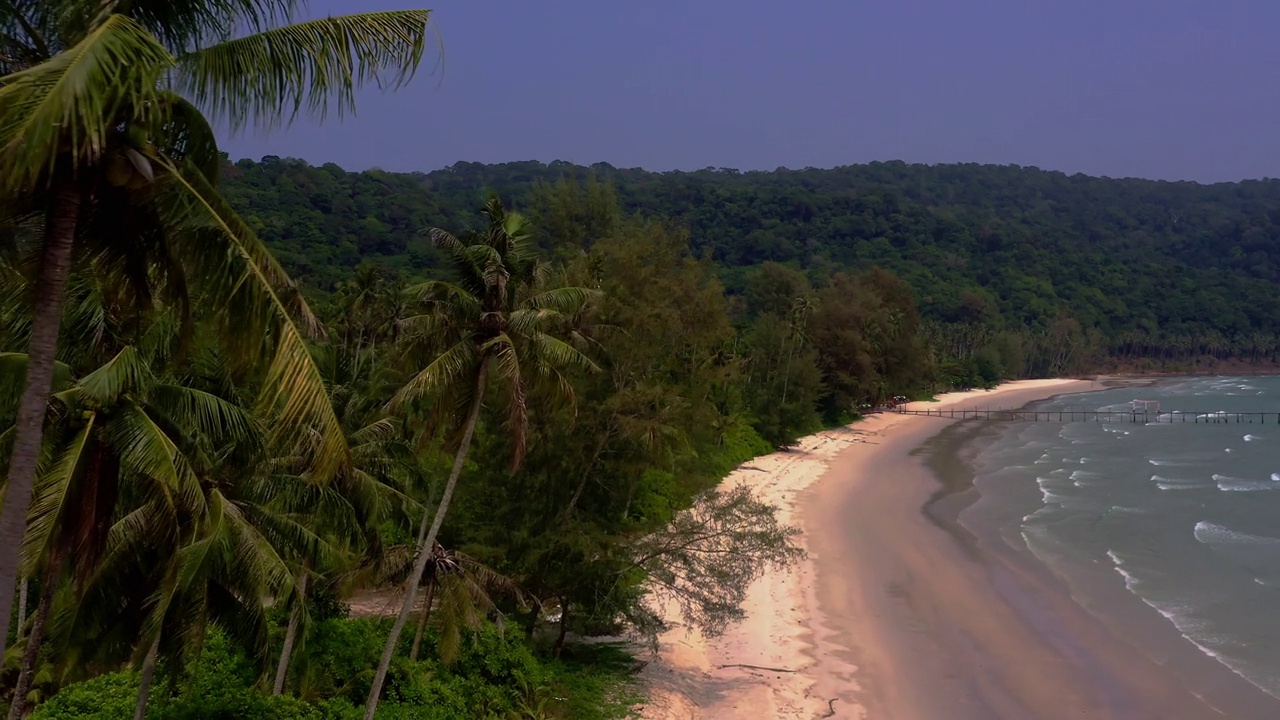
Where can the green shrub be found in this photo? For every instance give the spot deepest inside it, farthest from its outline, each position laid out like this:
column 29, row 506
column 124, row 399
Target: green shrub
column 339, row 658
column 496, row 676
column 107, row 697
column 497, row 658
column 238, row 703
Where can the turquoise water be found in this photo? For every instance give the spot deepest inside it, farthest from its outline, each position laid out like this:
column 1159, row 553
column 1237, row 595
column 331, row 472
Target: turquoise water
column 1183, row 517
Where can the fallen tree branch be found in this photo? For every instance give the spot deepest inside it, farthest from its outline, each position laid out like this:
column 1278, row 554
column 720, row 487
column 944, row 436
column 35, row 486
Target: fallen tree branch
column 756, row 667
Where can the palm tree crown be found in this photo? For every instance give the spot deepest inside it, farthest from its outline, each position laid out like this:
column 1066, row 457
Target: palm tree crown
column 498, row 313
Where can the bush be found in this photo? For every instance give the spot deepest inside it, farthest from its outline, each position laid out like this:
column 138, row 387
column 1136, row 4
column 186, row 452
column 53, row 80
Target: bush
column 339, row 658
column 222, row 684
column 238, row 704
column 107, row 697
column 496, row 676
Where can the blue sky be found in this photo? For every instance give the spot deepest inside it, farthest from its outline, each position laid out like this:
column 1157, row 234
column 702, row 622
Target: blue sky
column 1175, row 89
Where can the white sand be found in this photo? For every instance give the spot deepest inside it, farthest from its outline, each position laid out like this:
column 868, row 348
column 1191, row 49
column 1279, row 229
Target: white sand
column 700, row 678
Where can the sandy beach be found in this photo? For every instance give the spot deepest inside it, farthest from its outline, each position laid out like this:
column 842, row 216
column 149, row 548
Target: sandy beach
column 805, row 624
column 897, row 613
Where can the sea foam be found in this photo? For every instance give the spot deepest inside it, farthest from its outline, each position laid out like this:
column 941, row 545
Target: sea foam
column 1165, row 483
column 1210, row 533
column 1234, row 484
column 1194, row 631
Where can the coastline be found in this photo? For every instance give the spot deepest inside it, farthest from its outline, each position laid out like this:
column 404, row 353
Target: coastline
column 809, row 646
column 943, row 622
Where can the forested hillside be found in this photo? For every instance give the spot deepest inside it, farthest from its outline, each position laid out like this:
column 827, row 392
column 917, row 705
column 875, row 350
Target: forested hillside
column 1146, row 269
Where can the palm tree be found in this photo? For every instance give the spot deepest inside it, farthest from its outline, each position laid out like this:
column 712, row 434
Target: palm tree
column 203, row 533
column 120, row 430
column 347, row 509
column 497, row 316
column 464, row 588
column 98, row 117
column 222, row 568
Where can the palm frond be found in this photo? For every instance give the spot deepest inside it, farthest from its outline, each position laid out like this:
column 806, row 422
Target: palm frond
column 448, row 242
column 206, row 413
column 67, row 105
column 247, row 282
column 567, row 300
column 444, row 371
column 288, row 535
column 457, row 611
column 527, row 321
column 560, row 353
column 182, row 24
column 187, row 136
column 432, row 328
column 377, row 431
column 13, row 375
column 224, row 252
column 439, row 291
column 376, row 500
column 275, row 74
column 254, row 558
column 53, row 492
column 507, row 361
column 494, row 270
column 123, row 373
column 145, row 450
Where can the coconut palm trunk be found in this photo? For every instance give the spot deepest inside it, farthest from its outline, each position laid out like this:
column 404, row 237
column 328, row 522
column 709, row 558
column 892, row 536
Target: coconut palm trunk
column 424, row 549
column 18, row 706
column 46, row 317
column 23, row 587
column 148, row 675
column 423, row 617
column 291, row 634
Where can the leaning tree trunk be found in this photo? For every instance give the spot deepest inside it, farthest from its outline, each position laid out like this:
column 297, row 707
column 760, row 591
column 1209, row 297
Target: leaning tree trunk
column 23, row 587
column 422, row 619
column 26, row 675
column 148, row 674
column 291, row 634
column 564, row 625
column 424, row 548
column 46, row 316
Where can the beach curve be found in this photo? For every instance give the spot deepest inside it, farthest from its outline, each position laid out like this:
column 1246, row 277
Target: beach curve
column 788, row 658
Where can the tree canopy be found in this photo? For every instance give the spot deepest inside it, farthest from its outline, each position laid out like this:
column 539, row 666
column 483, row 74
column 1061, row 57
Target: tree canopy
column 1155, row 268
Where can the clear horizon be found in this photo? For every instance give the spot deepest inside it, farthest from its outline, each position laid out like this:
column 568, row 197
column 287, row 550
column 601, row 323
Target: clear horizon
column 1172, row 90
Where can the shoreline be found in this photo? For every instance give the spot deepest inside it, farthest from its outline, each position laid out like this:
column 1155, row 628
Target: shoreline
column 1119, row 616
column 792, row 657
column 947, row 622
column 901, row 611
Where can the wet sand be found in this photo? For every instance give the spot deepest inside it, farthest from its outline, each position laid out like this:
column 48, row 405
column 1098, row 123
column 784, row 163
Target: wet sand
column 912, row 619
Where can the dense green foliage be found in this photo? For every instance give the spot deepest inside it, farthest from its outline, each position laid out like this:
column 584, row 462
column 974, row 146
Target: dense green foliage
column 211, row 551
column 1160, row 270
column 206, row 463
column 522, row 420
column 496, row 677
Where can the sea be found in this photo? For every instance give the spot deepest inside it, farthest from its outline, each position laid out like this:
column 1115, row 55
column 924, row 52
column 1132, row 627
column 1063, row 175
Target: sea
column 1179, row 519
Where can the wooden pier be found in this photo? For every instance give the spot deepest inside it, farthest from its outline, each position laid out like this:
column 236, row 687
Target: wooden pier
column 1106, row 416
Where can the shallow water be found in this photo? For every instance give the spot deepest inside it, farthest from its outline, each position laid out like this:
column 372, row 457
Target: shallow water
column 1183, row 516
